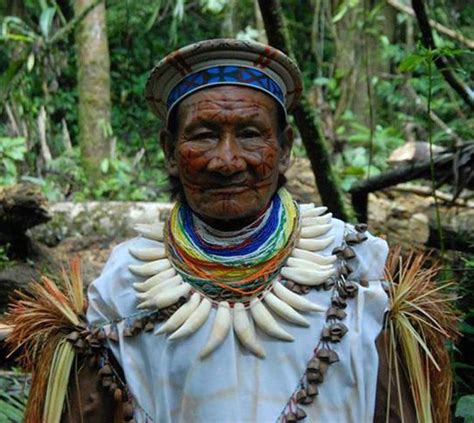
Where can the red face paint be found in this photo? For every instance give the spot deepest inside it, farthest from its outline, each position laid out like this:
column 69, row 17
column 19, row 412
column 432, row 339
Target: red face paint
column 228, row 154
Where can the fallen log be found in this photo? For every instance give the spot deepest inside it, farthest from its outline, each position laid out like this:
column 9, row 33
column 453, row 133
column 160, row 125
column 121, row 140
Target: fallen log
column 22, row 207
column 455, row 167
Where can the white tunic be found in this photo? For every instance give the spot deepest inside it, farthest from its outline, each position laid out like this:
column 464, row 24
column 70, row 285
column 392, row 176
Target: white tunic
column 171, row 384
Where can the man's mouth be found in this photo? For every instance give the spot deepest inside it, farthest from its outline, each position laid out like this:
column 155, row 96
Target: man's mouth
column 227, row 189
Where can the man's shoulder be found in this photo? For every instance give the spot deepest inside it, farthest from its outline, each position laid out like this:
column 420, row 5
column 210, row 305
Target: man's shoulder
column 370, row 254
column 370, row 251
column 112, row 296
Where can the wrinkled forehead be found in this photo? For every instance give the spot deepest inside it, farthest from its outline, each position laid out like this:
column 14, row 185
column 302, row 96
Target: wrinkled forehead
column 228, row 102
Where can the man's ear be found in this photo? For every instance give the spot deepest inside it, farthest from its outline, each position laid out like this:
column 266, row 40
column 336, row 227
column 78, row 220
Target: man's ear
column 167, row 144
column 286, row 144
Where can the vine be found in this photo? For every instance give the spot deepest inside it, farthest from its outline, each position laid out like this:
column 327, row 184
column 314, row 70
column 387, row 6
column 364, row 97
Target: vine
column 430, row 54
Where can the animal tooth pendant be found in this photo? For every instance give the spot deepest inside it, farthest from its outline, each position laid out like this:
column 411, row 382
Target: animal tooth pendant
column 284, row 310
column 148, row 254
column 180, row 316
column 315, row 244
column 314, row 231
column 154, row 280
column 321, row 220
column 295, row 300
column 161, row 287
column 306, row 276
column 245, row 332
column 313, row 257
column 266, row 322
column 312, row 211
column 220, row 329
column 154, row 232
column 194, row 321
column 151, row 268
column 166, row 298
column 305, row 264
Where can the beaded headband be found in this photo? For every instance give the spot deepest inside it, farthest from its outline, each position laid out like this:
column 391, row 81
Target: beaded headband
column 222, row 62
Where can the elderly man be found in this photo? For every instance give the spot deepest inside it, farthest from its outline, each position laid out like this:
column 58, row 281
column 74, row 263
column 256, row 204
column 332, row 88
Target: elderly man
column 243, row 306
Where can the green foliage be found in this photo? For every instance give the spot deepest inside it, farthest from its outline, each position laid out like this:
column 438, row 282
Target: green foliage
column 343, row 8
column 122, row 179
column 424, row 56
column 354, row 162
column 465, row 408
column 13, row 396
column 4, row 259
column 12, row 152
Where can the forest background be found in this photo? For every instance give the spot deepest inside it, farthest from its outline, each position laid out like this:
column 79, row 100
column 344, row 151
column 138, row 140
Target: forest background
column 74, row 122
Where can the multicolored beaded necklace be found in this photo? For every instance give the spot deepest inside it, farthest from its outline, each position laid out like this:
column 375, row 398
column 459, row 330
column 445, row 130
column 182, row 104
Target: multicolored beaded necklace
column 194, row 269
column 234, row 266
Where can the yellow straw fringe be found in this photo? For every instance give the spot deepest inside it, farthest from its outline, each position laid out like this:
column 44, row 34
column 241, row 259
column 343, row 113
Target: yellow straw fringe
column 58, row 381
column 41, row 319
column 421, row 321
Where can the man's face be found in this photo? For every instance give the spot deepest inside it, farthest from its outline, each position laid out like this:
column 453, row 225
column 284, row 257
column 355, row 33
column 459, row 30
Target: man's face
column 227, row 153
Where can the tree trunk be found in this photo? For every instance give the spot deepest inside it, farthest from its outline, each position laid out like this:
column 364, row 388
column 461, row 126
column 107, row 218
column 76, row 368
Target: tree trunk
column 358, row 57
column 93, row 87
column 311, row 133
column 440, row 61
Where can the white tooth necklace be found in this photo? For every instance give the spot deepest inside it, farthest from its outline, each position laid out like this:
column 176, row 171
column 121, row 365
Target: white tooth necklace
column 264, row 300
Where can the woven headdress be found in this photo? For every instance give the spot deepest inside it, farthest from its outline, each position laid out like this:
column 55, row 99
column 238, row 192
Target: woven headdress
column 222, row 62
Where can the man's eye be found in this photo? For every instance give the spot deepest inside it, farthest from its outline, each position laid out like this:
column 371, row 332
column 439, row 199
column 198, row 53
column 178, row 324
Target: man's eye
column 203, row 136
column 250, row 133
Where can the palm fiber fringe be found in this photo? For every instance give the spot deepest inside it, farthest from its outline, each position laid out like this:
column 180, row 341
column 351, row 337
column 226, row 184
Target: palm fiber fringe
column 41, row 318
column 421, row 321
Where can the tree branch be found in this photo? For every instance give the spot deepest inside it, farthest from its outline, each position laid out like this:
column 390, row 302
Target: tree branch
column 311, row 133
column 454, row 167
column 63, row 31
column 440, row 61
column 420, row 104
column 436, row 25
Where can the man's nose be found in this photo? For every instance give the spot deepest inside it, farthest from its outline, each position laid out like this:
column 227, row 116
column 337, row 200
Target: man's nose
column 227, row 156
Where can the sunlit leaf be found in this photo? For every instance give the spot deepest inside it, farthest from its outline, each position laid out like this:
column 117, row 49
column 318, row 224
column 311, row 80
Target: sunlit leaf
column 410, row 63
column 178, row 11
column 249, row 34
column 30, row 63
column 465, row 408
column 354, row 171
column 104, row 165
column 153, row 16
column 321, row 81
column 9, row 167
column 15, row 29
column 343, row 8
column 46, row 21
column 214, row 6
